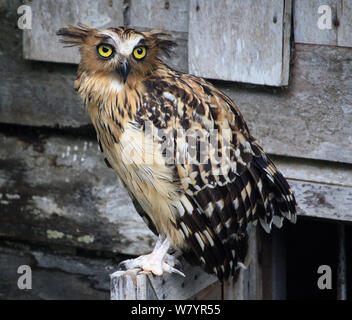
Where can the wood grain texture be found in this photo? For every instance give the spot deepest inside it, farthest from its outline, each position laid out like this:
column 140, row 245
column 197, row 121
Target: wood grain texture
column 322, row 189
column 169, row 15
column 56, row 275
column 127, row 287
column 41, row 43
column 273, row 250
column 312, row 117
column 213, row 292
column 306, row 18
column 337, row 174
column 345, row 20
column 173, row 286
column 34, row 93
column 306, row 28
column 58, row 190
column 168, row 287
column 323, row 200
column 222, row 37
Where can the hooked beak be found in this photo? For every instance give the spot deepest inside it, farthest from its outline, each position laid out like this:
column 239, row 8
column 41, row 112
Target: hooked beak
column 124, row 69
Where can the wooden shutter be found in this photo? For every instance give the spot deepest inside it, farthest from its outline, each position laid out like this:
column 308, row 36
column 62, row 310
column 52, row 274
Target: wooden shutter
column 41, row 43
column 307, row 15
column 245, row 41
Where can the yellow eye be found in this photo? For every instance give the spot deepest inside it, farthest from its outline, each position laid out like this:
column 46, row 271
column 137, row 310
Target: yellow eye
column 139, row 52
column 105, row 51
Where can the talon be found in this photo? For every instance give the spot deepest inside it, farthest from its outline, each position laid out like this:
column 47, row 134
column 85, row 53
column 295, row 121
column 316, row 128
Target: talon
column 179, row 272
column 156, row 263
column 170, row 269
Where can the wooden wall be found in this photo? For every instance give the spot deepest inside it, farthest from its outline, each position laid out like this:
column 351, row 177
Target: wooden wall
column 55, row 189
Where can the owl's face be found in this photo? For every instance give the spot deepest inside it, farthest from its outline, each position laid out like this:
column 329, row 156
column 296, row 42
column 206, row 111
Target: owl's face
column 116, row 51
column 110, row 51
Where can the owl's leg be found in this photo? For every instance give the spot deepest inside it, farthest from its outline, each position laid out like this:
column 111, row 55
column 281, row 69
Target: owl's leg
column 157, row 262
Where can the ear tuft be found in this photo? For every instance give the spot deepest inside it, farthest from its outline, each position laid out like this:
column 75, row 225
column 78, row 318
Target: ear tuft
column 74, row 35
column 163, row 41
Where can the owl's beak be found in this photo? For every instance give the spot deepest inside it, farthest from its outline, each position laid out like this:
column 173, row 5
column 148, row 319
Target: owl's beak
column 123, row 69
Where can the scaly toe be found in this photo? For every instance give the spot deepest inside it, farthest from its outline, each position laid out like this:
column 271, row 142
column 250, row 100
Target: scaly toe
column 155, row 263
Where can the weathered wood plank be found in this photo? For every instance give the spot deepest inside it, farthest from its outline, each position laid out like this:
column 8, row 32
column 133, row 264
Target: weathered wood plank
column 273, row 262
column 213, row 292
column 169, row 15
column 342, row 287
column 46, row 99
column 131, row 287
column 34, row 93
column 322, row 189
column 55, row 276
column 224, row 50
column 310, row 25
column 286, row 38
column 337, row 174
column 41, row 43
column 58, row 190
column 174, row 286
column 312, row 117
column 306, row 17
column 323, row 200
column 345, row 21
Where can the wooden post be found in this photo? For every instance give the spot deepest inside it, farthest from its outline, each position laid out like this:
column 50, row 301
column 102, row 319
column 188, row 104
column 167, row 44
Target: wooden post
column 273, row 261
column 249, row 283
column 131, row 286
column 196, row 285
column 342, row 269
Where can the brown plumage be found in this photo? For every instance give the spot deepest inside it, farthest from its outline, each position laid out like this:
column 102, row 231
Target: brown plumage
column 180, row 146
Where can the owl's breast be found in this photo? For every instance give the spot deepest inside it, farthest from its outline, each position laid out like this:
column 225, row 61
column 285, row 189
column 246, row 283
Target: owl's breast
column 138, row 161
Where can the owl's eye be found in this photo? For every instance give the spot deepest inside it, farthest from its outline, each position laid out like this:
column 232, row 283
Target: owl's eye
column 105, row 51
column 139, row 53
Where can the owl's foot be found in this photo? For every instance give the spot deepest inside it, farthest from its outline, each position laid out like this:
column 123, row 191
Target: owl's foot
column 157, row 262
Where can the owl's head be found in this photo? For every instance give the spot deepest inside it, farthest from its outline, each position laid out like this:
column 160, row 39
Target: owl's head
column 120, row 50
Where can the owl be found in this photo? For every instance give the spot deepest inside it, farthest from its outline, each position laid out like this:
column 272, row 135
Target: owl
column 181, row 148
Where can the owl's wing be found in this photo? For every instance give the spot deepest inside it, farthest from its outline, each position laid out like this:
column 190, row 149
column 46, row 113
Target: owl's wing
column 229, row 183
column 144, row 215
